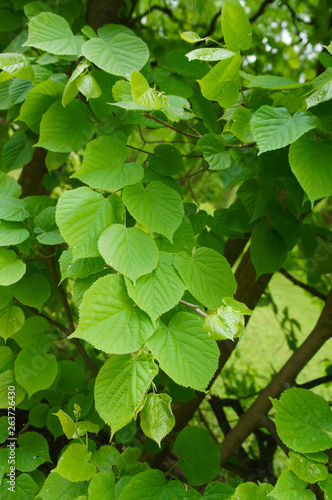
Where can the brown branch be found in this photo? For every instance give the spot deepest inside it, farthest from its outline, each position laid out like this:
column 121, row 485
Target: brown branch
column 261, row 10
column 205, row 422
column 51, row 321
column 194, row 306
column 168, row 125
column 306, row 287
column 165, row 10
column 288, row 373
column 315, row 382
column 212, row 24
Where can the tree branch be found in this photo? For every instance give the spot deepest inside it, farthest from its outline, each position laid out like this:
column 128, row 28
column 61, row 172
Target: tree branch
column 193, row 306
column 261, row 10
column 306, row 287
column 288, row 373
column 168, row 125
column 315, row 382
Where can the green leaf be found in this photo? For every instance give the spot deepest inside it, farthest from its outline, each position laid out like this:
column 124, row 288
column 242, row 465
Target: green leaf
column 82, row 215
column 213, row 149
column 88, row 86
column 156, row 206
column 167, row 160
column 159, row 291
column 290, row 486
column 176, row 62
column 183, row 239
column 12, row 233
column 249, row 491
column 7, row 379
column 104, row 165
column 157, row 419
column 142, row 93
column 102, row 486
column 326, row 486
column 115, row 325
column 9, row 186
column 306, row 469
column 12, row 209
column 17, row 152
column 226, row 323
column 184, row 351
column 191, row 37
column 32, row 451
column 322, row 93
column 152, row 485
column 120, row 387
column 105, row 457
column 66, row 129
column 67, row 424
column 255, row 198
column 25, row 488
column 71, row 90
column 275, row 128
column 11, row 268
column 37, row 102
column 81, row 268
column 129, row 250
column 237, row 306
column 55, row 160
column 310, row 163
column 16, row 65
column 117, row 50
column 303, row 420
column 46, row 229
column 241, row 126
column 33, row 332
column 52, row 33
column 236, row 28
column 200, row 455
column 57, row 486
column 75, row 465
column 268, row 250
column 11, row 320
column 34, row 370
column 33, row 291
column 209, row 54
column 207, row 275
column 220, row 84
column 218, row 491
column 71, row 377
column 38, row 415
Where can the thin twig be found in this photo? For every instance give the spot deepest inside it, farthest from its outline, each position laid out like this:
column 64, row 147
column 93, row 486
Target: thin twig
column 192, row 175
column 51, row 321
column 193, row 306
column 201, row 416
column 306, row 287
column 191, row 128
column 315, row 382
column 141, row 150
column 168, row 125
column 192, row 192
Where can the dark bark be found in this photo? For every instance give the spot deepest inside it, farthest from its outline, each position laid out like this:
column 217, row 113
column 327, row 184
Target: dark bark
column 32, row 175
column 284, row 378
column 101, row 12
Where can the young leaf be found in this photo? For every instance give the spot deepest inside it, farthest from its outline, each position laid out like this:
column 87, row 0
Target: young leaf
column 142, row 93
column 207, row 275
column 104, row 165
column 248, row 491
column 68, row 425
column 52, row 33
column 209, row 54
column 66, row 129
column 156, row 206
column 303, row 420
column 220, row 84
column 117, row 50
column 241, row 126
column 191, row 37
column 236, row 28
column 310, row 162
column 75, row 465
column 71, row 90
column 128, row 250
column 275, row 128
column 159, row 291
column 157, row 419
column 185, row 352
column 88, row 86
column 82, row 215
column 226, row 323
column 11, row 268
column 114, row 325
column 199, row 455
column 120, row 388
column 16, row 65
